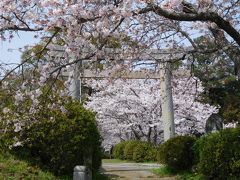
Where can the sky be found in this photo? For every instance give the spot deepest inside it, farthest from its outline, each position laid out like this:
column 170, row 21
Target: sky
column 9, row 51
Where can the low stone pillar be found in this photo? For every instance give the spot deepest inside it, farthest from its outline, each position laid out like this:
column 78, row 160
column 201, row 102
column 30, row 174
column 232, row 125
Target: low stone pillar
column 80, row 173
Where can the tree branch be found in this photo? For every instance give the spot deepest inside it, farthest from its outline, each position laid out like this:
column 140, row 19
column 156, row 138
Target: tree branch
column 16, row 28
column 199, row 16
column 25, row 61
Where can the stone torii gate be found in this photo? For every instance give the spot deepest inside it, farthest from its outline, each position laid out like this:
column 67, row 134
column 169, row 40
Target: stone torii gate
column 164, row 75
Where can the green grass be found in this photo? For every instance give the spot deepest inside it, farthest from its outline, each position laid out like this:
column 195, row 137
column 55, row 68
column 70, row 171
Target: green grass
column 121, row 161
column 11, row 168
column 168, row 172
column 116, row 161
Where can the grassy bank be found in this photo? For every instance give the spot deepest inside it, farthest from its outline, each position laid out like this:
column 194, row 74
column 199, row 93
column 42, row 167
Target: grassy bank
column 13, row 168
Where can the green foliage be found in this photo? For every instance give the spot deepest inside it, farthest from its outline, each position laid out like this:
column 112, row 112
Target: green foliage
column 211, row 71
column 218, row 154
column 230, row 109
column 165, row 171
column 218, row 76
column 141, row 152
column 191, row 176
column 3, row 143
column 228, row 97
column 97, row 155
column 151, row 154
column 54, row 139
column 61, row 142
column 177, row 153
column 129, row 148
column 118, row 150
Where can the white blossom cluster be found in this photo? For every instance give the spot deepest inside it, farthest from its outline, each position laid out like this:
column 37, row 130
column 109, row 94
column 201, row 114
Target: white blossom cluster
column 131, row 109
column 84, row 24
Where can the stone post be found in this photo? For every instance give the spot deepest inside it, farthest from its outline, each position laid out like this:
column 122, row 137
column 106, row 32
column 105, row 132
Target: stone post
column 80, row 173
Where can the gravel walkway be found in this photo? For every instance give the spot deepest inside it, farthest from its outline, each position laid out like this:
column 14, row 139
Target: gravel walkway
column 131, row 171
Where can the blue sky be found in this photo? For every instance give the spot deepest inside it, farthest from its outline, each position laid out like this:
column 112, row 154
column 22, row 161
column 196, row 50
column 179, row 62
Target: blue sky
column 9, row 52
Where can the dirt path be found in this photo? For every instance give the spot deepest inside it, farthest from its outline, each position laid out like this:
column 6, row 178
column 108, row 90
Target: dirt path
column 131, row 171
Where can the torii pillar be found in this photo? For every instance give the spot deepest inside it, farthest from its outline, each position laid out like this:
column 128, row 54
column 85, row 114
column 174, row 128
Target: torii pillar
column 166, row 100
column 75, row 83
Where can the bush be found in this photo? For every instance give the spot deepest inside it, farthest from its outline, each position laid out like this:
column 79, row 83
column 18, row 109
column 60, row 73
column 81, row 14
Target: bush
column 138, row 151
column 142, row 151
column 177, row 153
column 118, row 150
column 218, row 154
column 151, row 154
column 129, row 148
column 61, row 142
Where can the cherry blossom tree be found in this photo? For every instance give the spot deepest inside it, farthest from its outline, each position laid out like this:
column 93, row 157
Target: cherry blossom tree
column 88, row 28
column 136, row 24
column 131, row 109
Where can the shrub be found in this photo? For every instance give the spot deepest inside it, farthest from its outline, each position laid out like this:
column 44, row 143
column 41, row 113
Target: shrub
column 218, row 154
column 118, row 150
column 61, row 142
column 151, row 154
column 138, row 151
column 141, row 152
column 177, row 153
column 129, row 148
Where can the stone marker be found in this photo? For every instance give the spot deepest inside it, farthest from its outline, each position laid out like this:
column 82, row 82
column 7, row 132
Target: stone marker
column 80, row 173
column 214, row 123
